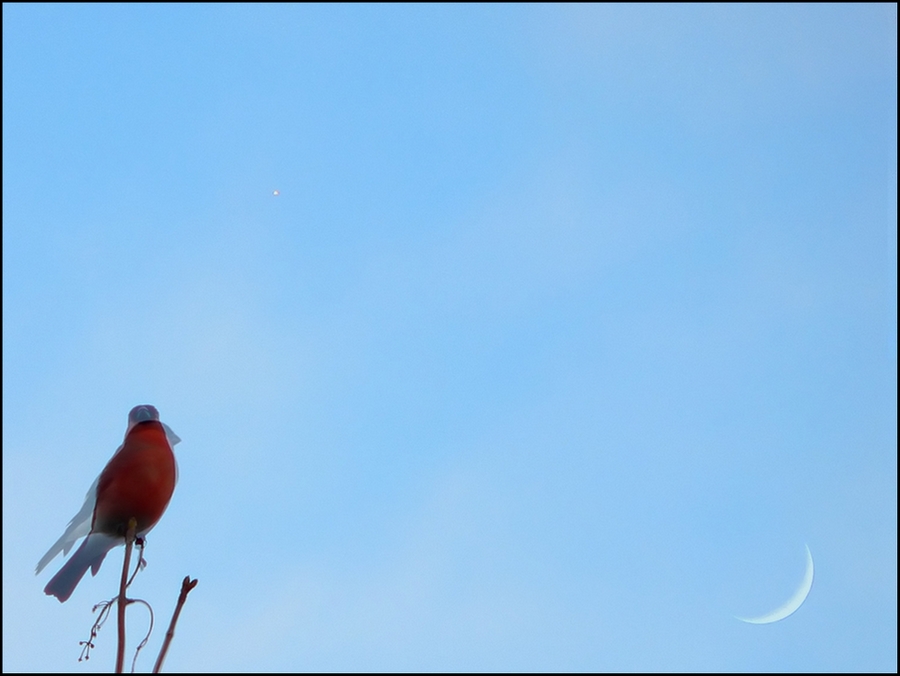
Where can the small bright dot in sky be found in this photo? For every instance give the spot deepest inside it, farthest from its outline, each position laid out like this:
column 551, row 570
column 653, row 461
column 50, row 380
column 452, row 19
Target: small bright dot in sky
column 275, row 193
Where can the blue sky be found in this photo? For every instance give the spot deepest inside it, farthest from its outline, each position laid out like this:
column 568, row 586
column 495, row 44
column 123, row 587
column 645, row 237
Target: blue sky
column 568, row 329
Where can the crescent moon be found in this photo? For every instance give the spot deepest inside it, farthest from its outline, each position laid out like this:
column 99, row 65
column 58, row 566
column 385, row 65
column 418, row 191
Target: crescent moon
column 793, row 603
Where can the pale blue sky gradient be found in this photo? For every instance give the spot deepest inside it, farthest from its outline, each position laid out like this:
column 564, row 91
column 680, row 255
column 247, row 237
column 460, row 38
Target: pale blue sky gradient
column 569, row 327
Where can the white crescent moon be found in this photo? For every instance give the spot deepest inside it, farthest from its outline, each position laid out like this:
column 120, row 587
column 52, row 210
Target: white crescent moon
column 793, row 603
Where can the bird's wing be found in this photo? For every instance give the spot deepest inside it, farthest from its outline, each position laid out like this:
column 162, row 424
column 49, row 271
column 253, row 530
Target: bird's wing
column 78, row 527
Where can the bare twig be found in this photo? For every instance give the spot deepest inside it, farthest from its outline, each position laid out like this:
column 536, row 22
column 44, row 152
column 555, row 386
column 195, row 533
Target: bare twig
column 186, row 585
column 143, row 643
column 95, row 629
column 139, row 542
column 129, row 542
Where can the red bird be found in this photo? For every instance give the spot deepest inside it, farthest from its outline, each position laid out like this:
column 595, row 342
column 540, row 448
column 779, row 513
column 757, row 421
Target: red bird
column 138, row 481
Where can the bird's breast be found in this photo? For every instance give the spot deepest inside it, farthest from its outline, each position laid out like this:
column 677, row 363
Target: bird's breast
column 137, row 482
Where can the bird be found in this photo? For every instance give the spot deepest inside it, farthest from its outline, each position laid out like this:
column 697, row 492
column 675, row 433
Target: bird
column 138, row 481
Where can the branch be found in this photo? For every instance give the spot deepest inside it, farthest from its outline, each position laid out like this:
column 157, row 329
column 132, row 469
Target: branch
column 186, row 585
column 129, row 542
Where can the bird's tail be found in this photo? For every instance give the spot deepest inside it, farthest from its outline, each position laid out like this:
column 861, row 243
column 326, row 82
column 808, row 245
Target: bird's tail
column 89, row 555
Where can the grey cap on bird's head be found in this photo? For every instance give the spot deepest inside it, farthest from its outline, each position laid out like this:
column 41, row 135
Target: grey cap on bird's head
column 142, row 413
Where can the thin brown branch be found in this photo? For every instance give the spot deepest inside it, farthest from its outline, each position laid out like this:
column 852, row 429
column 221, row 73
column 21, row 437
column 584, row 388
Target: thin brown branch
column 129, row 542
column 143, row 643
column 88, row 645
column 186, row 585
